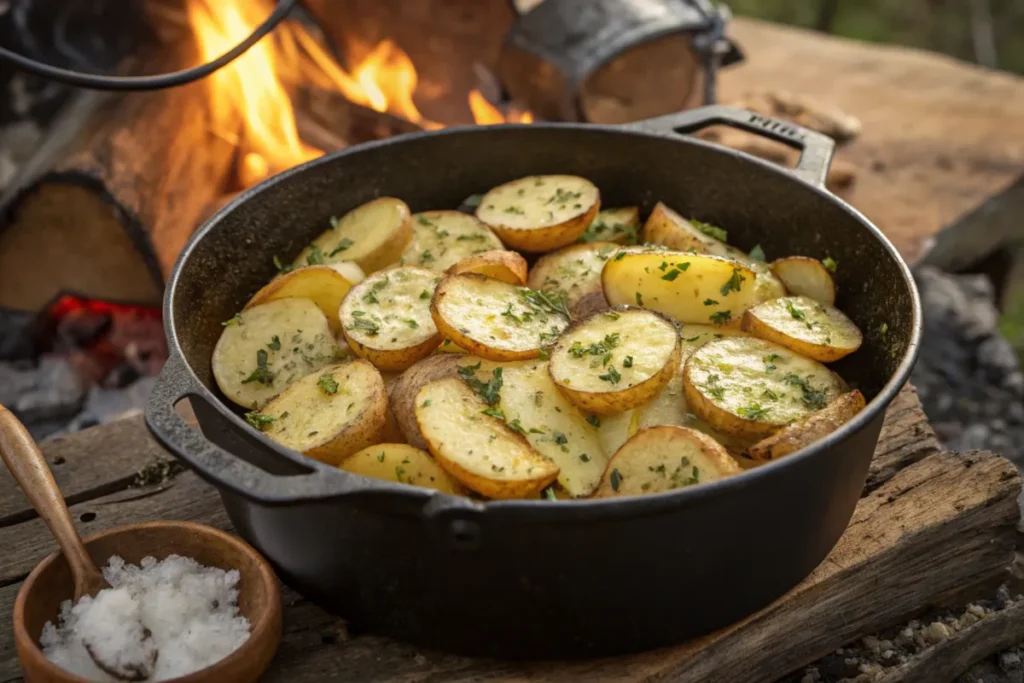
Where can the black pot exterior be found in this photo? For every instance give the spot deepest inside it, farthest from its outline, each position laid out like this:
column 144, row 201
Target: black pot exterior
column 536, row 579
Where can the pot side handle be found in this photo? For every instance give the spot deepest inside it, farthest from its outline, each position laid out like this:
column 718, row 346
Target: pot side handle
column 816, row 149
column 218, row 465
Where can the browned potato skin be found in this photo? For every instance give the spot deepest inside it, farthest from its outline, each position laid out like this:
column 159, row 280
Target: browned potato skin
column 825, row 293
column 803, row 433
column 589, row 304
column 402, row 393
column 549, row 238
column 507, row 266
column 394, row 360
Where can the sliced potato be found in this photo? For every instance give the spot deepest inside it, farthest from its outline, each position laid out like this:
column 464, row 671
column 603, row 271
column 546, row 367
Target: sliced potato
column 402, row 394
column 805, row 276
column 479, row 450
column 553, row 426
column 695, row 335
column 621, row 226
column 329, row 414
column 803, row 433
column 573, row 272
column 496, row 320
column 448, row 346
column 810, row 328
column 440, row 239
column 386, row 318
column 751, row 388
column 540, row 213
column 372, row 234
column 401, row 463
column 265, row 348
column 507, row 266
column 690, row 288
column 660, row 459
column 325, row 286
column 616, row 360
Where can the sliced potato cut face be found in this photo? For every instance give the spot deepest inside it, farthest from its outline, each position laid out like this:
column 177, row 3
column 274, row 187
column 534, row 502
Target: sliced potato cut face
column 477, row 449
column 386, row 318
column 665, row 226
column 402, row 394
column 540, row 213
column 767, row 285
column 325, row 286
column 507, row 266
column 694, row 335
column 805, row 276
column 533, row 406
column 750, row 388
column 265, row 348
column 810, row 328
column 403, row 464
column 616, row 360
column 803, row 433
column 496, row 320
column 440, row 239
column 572, row 272
column 621, row 226
column 659, row 459
column 373, row 235
column 331, row 413
column 689, row 288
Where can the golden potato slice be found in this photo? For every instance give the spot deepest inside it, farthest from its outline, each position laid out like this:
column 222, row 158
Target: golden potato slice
column 440, row 239
column 386, row 318
column 265, row 348
column 810, row 328
column 325, row 286
column 401, row 463
column 328, row 414
column 534, row 407
column 540, row 213
column 507, row 266
column 803, row 433
column 661, row 459
column 616, row 360
column 496, row 320
column 402, row 394
column 690, row 288
column 373, row 235
column 751, row 388
column 475, row 447
column 573, row 272
column 621, row 226
column 805, row 276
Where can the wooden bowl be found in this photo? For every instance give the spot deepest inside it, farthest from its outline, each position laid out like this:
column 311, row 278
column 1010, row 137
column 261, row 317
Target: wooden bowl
column 259, row 598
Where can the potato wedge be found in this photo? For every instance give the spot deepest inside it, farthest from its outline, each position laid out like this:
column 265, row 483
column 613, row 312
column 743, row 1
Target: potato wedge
column 540, row 213
column 803, row 433
column 325, row 286
column 810, row 328
column 573, row 272
column 507, row 266
column 402, row 394
column 373, row 235
column 752, row 388
column 805, row 276
column 328, row 414
column 477, row 449
column 533, row 406
column 621, row 226
column 401, row 463
column 689, row 288
column 661, row 459
column 496, row 320
column 265, row 348
column 616, row 360
column 440, row 239
column 386, row 318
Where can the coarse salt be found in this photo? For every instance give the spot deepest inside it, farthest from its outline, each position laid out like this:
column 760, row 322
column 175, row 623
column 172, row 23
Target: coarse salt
column 161, row 619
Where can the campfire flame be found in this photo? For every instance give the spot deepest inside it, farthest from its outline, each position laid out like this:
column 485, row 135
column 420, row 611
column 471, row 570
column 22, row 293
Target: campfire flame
column 251, row 103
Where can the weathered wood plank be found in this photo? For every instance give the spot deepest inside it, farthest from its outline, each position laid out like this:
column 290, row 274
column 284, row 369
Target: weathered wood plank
column 905, row 439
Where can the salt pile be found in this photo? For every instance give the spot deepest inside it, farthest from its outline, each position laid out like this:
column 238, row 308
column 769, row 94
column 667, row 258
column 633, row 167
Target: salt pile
column 160, row 620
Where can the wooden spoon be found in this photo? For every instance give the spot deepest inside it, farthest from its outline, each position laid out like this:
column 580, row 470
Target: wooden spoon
column 25, row 461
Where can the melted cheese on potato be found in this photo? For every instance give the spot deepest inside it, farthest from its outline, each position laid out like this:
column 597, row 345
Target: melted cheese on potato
column 440, row 239
column 538, row 201
column 391, row 308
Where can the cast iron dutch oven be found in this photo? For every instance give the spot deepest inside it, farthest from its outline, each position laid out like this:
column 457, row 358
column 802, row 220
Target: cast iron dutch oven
column 538, row 578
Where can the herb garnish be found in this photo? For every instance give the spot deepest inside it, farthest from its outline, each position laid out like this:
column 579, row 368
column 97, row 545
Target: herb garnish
column 757, row 253
column 282, row 268
column 714, row 388
column 549, row 493
column 612, row 315
column 361, row 322
column 615, row 479
column 262, row 373
column 830, row 264
column 236, row 319
column 342, row 246
column 752, row 412
column 594, row 420
column 488, row 390
column 612, row 376
column 610, row 341
column 275, row 344
column 639, row 299
column 733, row 283
column 812, row 398
column 327, row 383
column 721, row 318
column 259, row 420
column 549, row 301
column 494, row 412
column 794, row 311
column 315, row 257
column 710, row 230
column 627, row 362
column 710, row 302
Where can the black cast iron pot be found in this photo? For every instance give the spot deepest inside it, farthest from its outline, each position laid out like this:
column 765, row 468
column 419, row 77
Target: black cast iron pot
column 537, row 578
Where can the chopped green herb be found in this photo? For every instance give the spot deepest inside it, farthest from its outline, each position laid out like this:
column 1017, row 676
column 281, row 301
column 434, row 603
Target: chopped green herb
column 615, row 479
column 334, row 221
column 236, row 319
column 721, row 318
column 753, row 412
column 399, row 472
column 794, row 311
column 584, row 457
column 559, row 438
column 340, row 247
column 621, row 255
column 411, row 323
column 275, row 343
column 380, row 457
column 517, row 210
column 549, row 493
column 371, row 328
column 770, row 395
column 494, row 412
column 424, row 294
column 470, row 238
column 517, row 426
column 423, row 220
column 734, row 282
column 710, row 302
column 769, row 361
column 612, row 315
column 612, row 376
column 693, row 339
column 627, row 362
column 812, row 398
column 426, row 257
column 316, row 256
column 714, row 388
column 282, row 268
column 639, row 299
column 327, row 383
column 262, row 373
column 757, row 253
column 259, row 420
column 830, row 264
column 489, row 390
column 549, row 301
column 426, row 403
column 594, row 420
column 472, row 201
column 883, row 330
column 283, row 415
column 710, row 230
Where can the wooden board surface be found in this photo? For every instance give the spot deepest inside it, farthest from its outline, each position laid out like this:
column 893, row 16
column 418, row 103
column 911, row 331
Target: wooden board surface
column 939, row 135
column 929, row 522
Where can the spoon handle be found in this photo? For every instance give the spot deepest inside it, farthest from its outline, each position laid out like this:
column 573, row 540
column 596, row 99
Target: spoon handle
column 26, row 462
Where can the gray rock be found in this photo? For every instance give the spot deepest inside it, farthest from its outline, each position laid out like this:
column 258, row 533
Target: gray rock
column 52, row 391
